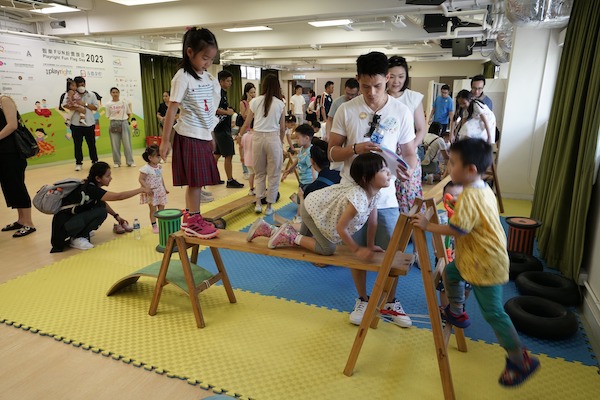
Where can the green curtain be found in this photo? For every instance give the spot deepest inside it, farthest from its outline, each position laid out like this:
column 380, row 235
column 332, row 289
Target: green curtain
column 564, row 183
column 157, row 72
column 234, row 94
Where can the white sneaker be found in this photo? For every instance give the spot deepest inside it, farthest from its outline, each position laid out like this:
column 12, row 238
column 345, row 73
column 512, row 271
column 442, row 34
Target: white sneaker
column 269, row 211
column 206, row 192
column 116, row 165
column 81, row 243
column 77, row 167
column 393, row 312
column 251, row 192
column 258, row 209
column 356, row 315
column 132, row 165
column 205, row 199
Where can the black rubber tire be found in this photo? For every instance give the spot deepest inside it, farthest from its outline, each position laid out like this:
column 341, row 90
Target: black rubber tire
column 521, row 262
column 264, row 199
column 549, row 286
column 541, row 318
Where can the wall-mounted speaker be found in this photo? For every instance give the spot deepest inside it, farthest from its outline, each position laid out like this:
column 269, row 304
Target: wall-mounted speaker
column 462, row 47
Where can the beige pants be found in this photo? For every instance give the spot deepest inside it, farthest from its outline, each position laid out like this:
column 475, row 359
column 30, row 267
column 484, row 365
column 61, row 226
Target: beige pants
column 267, row 152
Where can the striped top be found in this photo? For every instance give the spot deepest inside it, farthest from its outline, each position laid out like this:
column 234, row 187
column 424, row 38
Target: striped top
column 198, row 101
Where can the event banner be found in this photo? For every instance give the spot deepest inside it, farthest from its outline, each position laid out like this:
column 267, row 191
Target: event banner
column 34, row 73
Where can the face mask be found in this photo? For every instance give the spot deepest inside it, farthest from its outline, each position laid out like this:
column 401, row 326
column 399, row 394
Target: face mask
column 81, row 89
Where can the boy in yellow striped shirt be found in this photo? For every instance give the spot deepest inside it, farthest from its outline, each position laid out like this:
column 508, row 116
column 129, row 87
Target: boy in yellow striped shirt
column 480, row 256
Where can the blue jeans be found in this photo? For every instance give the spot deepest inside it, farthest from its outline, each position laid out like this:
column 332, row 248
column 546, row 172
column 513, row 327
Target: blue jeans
column 386, row 222
column 489, row 299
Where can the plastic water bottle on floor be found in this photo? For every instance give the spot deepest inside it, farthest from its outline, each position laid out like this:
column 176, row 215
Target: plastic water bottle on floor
column 137, row 233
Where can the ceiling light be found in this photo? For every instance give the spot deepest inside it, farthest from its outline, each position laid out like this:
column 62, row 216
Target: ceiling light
column 333, row 22
column 54, row 8
column 249, row 29
column 140, row 2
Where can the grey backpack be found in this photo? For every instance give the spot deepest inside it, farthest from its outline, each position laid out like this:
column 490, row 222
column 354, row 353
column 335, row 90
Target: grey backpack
column 49, row 198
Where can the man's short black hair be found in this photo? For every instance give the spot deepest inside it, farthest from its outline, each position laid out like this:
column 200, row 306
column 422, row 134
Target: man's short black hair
column 478, row 78
column 351, row 84
column 79, row 79
column 445, row 87
column 477, row 152
column 371, row 64
column 298, row 87
column 328, row 83
column 224, row 74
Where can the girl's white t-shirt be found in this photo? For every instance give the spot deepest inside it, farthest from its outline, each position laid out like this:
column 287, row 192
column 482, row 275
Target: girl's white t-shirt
column 327, row 205
column 117, row 110
column 475, row 127
column 270, row 123
column 198, row 101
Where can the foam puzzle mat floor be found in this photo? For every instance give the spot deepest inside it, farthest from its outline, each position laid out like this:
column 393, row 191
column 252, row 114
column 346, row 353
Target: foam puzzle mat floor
column 287, row 336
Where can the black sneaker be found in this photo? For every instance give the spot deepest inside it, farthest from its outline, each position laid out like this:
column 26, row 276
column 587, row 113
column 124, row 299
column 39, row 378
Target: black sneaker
column 233, row 184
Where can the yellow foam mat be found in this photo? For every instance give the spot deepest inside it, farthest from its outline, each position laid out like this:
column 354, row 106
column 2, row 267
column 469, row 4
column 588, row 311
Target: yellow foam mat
column 260, row 348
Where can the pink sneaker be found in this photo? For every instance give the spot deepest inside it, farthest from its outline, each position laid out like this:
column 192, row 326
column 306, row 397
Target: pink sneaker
column 127, row 227
column 155, row 228
column 260, row 228
column 198, row 227
column 184, row 219
column 284, row 236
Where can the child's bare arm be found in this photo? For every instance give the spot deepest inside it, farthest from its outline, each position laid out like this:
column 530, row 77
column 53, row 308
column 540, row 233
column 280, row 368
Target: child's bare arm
column 142, row 179
column 421, row 221
column 342, row 227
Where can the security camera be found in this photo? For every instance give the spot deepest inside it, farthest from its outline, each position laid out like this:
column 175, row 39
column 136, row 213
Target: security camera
column 58, row 24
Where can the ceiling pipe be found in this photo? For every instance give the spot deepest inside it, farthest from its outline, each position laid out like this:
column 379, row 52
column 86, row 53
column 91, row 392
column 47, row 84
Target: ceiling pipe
column 87, row 42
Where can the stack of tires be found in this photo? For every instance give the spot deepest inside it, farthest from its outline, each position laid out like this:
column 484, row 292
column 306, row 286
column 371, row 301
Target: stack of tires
column 542, row 310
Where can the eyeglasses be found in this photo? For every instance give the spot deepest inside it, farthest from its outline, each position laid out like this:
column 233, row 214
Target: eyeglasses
column 374, row 125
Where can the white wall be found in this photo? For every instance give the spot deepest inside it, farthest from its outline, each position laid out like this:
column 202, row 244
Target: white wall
column 591, row 266
column 532, row 78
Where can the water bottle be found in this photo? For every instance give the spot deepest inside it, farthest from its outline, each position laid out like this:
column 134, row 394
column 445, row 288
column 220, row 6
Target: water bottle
column 377, row 136
column 137, row 233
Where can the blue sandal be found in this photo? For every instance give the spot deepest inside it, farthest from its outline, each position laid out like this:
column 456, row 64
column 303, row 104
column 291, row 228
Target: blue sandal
column 513, row 375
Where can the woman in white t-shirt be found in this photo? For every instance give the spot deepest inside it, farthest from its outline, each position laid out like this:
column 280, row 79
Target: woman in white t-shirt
column 268, row 113
column 407, row 191
column 477, row 121
column 331, row 215
column 118, row 112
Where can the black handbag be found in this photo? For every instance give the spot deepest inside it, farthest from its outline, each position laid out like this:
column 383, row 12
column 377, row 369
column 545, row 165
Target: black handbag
column 26, row 143
column 239, row 120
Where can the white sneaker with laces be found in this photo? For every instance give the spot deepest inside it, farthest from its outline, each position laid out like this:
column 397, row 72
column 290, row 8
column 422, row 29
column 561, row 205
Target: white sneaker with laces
column 258, row 209
column 393, row 312
column 81, row 243
column 251, row 192
column 116, row 165
column 356, row 315
column 205, row 199
column 77, row 167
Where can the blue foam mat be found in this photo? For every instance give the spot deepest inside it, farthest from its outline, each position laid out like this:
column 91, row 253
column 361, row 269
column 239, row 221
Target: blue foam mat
column 333, row 288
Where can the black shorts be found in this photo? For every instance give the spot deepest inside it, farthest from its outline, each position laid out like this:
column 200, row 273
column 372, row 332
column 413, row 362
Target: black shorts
column 225, row 145
column 12, row 180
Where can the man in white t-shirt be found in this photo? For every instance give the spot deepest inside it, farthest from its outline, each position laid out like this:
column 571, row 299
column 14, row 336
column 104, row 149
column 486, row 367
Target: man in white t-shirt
column 353, row 124
column 298, row 105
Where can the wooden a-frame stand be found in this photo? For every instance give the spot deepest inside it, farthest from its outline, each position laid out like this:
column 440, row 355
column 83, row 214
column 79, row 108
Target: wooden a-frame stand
column 384, row 284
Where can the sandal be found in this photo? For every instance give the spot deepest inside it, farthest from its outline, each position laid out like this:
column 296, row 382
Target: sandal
column 24, row 231
column 12, row 227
